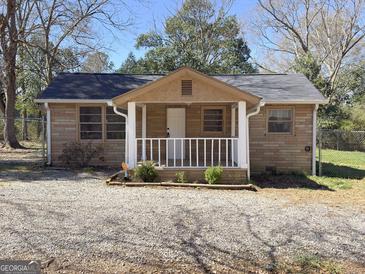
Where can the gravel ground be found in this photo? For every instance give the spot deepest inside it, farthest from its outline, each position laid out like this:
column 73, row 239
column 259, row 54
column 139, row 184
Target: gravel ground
column 82, row 223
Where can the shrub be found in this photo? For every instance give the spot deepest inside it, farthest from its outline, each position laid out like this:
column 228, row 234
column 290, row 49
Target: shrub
column 146, row 171
column 213, row 174
column 78, row 154
column 181, row 178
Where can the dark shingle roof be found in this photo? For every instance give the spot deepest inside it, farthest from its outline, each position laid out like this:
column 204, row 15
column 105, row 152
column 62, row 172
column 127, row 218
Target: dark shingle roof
column 271, row 87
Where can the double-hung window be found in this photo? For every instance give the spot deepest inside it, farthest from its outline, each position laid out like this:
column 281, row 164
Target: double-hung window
column 93, row 123
column 213, row 119
column 91, row 127
column 115, row 125
column 280, row 120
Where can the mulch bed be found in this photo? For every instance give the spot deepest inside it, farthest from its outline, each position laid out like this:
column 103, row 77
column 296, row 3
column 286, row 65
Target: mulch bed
column 116, row 180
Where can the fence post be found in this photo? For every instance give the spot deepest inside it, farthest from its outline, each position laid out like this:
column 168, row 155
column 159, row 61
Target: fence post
column 337, row 139
column 320, row 152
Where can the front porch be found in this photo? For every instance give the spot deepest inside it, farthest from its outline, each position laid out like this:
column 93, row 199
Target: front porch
column 188, row 136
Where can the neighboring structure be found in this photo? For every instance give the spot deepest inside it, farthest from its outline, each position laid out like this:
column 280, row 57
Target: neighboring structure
column 187, row 120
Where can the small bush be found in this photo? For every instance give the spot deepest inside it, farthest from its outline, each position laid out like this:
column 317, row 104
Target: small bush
column 181, row 178
column 146, row 171
column 213, row 174
column 78, row 154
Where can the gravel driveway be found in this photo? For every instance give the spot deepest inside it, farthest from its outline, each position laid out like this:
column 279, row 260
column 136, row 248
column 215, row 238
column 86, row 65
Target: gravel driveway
column 80, row 222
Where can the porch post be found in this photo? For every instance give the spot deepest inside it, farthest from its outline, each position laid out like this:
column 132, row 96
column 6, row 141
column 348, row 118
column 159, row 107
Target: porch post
column 242, row 135
column 131, row 134
column 144, row 130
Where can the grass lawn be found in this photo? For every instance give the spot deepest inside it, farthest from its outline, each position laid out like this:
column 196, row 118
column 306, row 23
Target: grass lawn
column 342, row 183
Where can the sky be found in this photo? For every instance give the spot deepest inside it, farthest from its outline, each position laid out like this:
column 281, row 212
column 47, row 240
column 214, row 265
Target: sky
column 146, row 14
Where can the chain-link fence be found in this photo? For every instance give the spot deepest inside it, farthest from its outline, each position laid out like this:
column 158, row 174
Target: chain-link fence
column 341, row 153
column 30, row 132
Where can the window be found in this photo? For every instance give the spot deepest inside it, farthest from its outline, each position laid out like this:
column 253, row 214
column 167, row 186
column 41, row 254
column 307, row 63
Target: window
column 186, row 87
column 280, row 121
column 115, row 125
column 213, row 120
column 91, row 123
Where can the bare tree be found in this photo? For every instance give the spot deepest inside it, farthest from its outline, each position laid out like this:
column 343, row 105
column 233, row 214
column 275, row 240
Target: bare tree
column 64, row 22
column 330, row 30
column 9, row 45
column 59, row 26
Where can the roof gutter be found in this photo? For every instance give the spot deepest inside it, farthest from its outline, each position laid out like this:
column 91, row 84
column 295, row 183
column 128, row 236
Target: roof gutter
column 253, row 111
column 314, row 139
column 125, row 116
column 49, row 145
column 79, row 101
column 301, row 102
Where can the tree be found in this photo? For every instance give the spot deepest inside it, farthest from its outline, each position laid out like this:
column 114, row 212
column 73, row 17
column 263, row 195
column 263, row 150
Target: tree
column 71, row 22
column 97, row 62
column 133, row 65
column 331, row 31
column 198, row 36
column 9, row 47
column 62, row 30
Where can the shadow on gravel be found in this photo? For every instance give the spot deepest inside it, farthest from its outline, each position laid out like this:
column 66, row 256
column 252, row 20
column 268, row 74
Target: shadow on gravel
column 287, row 181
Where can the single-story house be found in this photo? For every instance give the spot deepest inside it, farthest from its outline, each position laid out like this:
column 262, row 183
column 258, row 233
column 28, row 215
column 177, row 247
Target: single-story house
column 187, row 120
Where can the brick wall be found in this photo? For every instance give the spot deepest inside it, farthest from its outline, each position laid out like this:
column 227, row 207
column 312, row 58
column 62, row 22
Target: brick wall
column 65, row 129
column 285, row 152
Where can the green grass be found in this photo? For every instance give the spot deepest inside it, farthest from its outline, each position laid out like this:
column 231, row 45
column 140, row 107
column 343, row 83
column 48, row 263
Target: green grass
column 341, row 170
column 354, row 159
column 314, row 264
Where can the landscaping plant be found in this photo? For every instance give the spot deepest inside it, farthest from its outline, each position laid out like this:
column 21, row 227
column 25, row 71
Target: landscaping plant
column 146, row 171
column 181, row 178
column 78, row 154
column 213, row 174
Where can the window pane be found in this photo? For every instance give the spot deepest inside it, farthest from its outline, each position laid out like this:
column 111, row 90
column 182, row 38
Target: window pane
column 90, row 123
column 115, row 118
column 115, row 125
column 280, row 114
column 279, row 126
column 213, row 120
column 90, row 127
column 90, row 135
column 90, row 110
column 90, row 118
column 116, row 135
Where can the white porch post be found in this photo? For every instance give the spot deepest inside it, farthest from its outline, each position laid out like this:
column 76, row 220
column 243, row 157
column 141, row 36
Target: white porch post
column 144, row 130
column 242, row 135
column 131, row 134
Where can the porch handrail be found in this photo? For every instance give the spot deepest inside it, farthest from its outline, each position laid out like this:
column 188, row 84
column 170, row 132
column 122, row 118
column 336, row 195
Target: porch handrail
column 191, row 152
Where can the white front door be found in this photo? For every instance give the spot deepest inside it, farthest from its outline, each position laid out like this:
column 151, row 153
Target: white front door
column 176, row 128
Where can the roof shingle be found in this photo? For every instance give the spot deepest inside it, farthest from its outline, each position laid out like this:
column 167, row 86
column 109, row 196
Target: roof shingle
column 90, row 86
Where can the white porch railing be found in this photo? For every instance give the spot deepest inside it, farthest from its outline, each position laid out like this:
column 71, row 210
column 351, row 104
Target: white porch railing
column 188, row 152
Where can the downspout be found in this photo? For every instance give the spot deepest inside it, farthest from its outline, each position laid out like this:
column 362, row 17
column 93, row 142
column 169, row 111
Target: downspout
column 115, row 109
column 49, row 146
column 314, row 139
column 255, row 111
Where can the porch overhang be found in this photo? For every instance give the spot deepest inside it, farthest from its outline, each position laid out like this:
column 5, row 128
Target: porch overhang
column 206, row 89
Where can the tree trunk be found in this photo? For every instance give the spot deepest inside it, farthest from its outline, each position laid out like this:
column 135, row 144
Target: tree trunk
column 9, row 53
column 25, row 125
column 2, row 107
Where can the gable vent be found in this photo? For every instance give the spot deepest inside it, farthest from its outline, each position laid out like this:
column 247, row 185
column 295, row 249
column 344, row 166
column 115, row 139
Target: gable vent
column 186, row 87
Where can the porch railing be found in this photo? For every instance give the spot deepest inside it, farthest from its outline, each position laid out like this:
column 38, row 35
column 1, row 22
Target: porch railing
column 188, row 152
